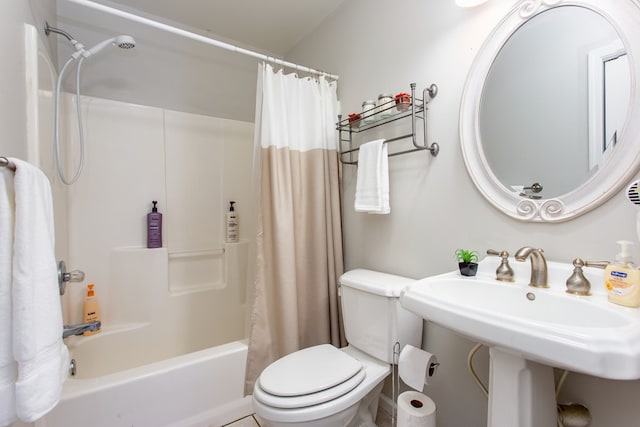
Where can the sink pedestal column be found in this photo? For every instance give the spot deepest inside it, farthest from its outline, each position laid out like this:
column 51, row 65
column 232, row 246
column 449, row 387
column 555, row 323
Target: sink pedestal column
column 521, row 392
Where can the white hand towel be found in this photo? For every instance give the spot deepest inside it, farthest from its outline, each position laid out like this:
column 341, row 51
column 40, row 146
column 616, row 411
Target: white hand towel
column 8, row 368
column 372, row 180
column 43, row 359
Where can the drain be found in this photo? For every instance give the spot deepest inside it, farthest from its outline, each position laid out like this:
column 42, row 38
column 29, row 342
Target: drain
column 531, row 296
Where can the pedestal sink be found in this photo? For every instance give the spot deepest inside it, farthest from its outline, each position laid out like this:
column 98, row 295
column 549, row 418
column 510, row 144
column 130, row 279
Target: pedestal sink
column 530, row 331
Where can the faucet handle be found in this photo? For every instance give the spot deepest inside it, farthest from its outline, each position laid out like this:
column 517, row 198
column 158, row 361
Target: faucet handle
column 64, row 276
column 577, row 283
column 597, row 264
column 504, row 272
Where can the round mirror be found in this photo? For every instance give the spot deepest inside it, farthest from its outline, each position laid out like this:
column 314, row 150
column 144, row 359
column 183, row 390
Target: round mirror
column 549, row 113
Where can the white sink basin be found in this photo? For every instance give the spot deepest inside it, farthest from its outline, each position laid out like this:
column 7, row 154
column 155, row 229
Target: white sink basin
column 583, row 334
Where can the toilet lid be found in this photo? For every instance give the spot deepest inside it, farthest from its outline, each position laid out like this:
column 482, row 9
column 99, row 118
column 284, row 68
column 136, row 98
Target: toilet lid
column 309, row 371
column 305, row 400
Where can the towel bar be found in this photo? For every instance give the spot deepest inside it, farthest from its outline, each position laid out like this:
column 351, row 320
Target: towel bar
column 6, row 163
column 384, row 114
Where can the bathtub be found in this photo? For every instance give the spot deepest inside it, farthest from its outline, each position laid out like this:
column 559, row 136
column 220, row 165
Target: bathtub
column 199, row 389
column 166, row 356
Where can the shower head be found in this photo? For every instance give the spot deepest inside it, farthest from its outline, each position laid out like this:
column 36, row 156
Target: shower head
column 123, row 42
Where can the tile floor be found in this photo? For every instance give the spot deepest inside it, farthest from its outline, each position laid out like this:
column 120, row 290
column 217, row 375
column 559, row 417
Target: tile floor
column 250, row 421
column 383, row 420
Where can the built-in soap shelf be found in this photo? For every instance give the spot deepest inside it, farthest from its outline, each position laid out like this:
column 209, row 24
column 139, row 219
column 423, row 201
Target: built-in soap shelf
column 384, row 114
column 195, row 270
column 206, row 269
column 205, row 253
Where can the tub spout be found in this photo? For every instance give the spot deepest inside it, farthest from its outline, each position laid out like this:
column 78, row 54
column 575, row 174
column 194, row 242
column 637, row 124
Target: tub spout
column 80, row 329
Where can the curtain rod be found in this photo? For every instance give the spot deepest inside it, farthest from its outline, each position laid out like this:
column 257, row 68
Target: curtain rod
column 197, row 37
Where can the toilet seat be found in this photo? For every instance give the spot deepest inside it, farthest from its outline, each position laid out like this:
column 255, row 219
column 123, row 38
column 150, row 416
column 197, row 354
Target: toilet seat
column 302, row 401
column 309, row 377
column 375, row 371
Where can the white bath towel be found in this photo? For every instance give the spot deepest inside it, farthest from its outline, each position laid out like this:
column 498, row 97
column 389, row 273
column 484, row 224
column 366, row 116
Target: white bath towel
column 8, row 368
column 42, row 357
column 372, row 180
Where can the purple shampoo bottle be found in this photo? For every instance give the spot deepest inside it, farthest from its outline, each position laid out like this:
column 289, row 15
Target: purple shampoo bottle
column 154, row 227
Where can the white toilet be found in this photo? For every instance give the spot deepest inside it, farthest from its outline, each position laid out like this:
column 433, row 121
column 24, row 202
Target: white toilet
column 325, row 386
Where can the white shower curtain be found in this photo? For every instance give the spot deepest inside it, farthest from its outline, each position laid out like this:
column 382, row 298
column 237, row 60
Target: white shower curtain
column 299, row 238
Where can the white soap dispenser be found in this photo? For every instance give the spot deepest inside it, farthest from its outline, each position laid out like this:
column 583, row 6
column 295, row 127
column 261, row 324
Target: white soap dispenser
column 232, row 225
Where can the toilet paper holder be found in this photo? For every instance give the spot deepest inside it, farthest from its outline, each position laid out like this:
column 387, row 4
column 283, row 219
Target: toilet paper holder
column 433, row 367
column 423, row 365
column 416, row 367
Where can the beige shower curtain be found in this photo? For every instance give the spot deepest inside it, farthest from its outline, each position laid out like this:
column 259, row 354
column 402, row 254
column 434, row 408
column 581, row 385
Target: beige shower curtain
column 299, row 238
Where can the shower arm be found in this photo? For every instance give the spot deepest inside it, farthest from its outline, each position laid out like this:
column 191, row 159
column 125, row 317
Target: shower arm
column 49, row 29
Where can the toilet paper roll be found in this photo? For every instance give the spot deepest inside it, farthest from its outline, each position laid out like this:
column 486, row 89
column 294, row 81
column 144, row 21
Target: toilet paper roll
column 416, row 410
column 416, row 366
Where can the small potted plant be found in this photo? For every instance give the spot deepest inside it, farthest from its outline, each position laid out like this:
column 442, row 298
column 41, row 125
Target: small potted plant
column 467, row 262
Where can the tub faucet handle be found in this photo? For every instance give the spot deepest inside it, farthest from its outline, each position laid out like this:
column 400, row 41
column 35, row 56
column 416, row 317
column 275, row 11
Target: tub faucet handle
column 504, row 272
column 65, row 276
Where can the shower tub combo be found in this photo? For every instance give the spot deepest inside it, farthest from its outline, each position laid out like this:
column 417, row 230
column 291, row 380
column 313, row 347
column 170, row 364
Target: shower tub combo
column 172, row 348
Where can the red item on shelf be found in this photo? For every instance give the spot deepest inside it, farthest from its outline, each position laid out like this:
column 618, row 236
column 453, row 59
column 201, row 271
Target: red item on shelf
column 403, row 101
column 354, row 120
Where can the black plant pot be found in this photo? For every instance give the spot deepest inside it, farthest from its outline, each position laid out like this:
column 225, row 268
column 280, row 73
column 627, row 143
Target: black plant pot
column 468, row 268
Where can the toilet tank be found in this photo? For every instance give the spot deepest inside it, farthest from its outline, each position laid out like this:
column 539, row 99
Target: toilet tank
column 373, row 318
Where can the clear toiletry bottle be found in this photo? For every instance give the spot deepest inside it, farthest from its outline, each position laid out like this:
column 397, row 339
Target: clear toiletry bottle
column 91, row 309
column 385, row 103
column 154, row 227
column 622, row 279
column 368, row 111
column 232, row 224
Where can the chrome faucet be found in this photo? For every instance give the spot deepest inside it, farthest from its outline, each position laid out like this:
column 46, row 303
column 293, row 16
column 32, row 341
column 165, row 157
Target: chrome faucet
column 80, row 329
column 538, row 265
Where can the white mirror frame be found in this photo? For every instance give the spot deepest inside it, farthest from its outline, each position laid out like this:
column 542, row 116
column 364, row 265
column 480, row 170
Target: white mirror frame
column 617, row 169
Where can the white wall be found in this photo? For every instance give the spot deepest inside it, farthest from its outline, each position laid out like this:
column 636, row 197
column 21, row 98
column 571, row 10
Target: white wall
column 13, row 14
column 377, row 46
column 25, row 92
column 134, row 154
